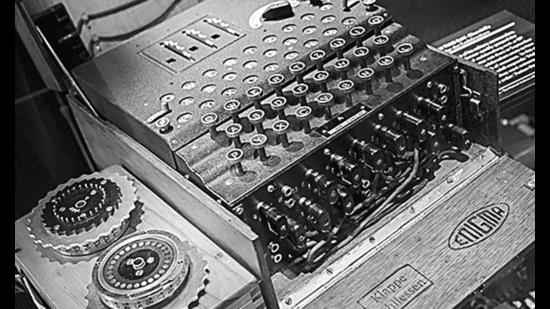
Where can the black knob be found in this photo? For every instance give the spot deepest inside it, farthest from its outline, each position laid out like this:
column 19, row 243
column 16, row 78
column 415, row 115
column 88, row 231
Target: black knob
column 256, row 118
column 405, row 50
column 342, row 66
column 381, row 44
column 276, row 81
column 346, row 199
column 357, row 34
column 386, row 64
column 342, row 166
column 366, row 75
column 235, row 157
column 209, row 120
column 429, row 108
column 375, row 23
column 457, row 136
column 326, row 100
column 254, row 94
column 414, row 125
column 298, row 69
column 280, row 128
column 300, row 91
column 338, row 45
column 277, row 222
column 318, row 57
column 233, row 107
column 395, row 141
column 362, row 54
column 297, row 234
column 315, row 215
column 346, row 88
column 233, row 131
column 303, row 114
column 367, row 152
column 321, row 185
column 432, row 143
column 258, row 142
column 278, row 104
column 321, row 78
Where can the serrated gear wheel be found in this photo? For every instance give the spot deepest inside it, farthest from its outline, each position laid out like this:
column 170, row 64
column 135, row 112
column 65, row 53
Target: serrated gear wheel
column 84, row 215
column 147, row 269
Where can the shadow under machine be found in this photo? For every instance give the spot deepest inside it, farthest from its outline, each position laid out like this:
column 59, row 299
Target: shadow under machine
column 356, row 154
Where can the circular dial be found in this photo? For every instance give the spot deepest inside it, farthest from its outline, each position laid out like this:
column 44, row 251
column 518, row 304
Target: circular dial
column 81, row 206
column 148, row 269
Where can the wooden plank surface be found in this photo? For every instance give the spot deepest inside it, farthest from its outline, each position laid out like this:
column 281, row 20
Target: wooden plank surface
column 424, row 247
column 65, row 285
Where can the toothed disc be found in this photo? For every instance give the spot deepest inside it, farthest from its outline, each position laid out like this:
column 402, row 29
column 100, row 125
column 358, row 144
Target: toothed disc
column 147, row 269
column 84, row 215
column 81, row 206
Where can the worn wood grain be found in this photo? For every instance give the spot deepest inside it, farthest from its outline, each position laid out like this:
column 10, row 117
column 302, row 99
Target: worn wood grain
column 65, row 285
column 454, row 273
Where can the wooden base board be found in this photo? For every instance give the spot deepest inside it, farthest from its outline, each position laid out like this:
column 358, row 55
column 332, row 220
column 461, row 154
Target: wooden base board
column 65, row 285
column 433, row 274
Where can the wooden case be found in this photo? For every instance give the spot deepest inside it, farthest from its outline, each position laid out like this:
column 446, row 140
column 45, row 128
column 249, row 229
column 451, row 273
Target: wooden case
column 65, row 284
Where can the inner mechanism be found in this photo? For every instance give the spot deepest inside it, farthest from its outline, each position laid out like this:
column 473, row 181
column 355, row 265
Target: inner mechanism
column 81, row 206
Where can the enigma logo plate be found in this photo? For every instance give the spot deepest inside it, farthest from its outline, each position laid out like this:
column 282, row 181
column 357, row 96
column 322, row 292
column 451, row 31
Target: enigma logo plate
column 478, row 226
column 397, row 290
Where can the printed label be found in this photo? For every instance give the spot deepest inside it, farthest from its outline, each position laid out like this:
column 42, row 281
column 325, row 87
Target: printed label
column 397, row 291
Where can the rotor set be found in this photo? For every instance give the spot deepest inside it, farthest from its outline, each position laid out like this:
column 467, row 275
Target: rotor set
column 92, row 213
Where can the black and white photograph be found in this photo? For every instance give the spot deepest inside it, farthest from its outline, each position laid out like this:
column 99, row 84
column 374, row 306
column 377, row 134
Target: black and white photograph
column 274, row 154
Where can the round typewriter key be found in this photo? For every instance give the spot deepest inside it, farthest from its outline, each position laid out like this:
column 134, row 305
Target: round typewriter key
column 346, row 87
column 342, row 66
column 276, row 81
column 386, row 63
column 326, row 100
column 297, row 69
column 357, row 34
column 338, row 45
column 280, row 127
column 366, row 75
column 233, row 107
column 362, row 54
column 258, row 142
column 381, row 43
column 405, row 50
column 256, row 118
column 300, row 91
column 321, row 78
column 233, row 131
column 235, row 157
column 278, row 104
column 303, row 114
column 317, row 57
column 375, row 22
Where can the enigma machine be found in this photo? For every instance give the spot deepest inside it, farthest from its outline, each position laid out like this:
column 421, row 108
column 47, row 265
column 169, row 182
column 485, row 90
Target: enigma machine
column 365, row 163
